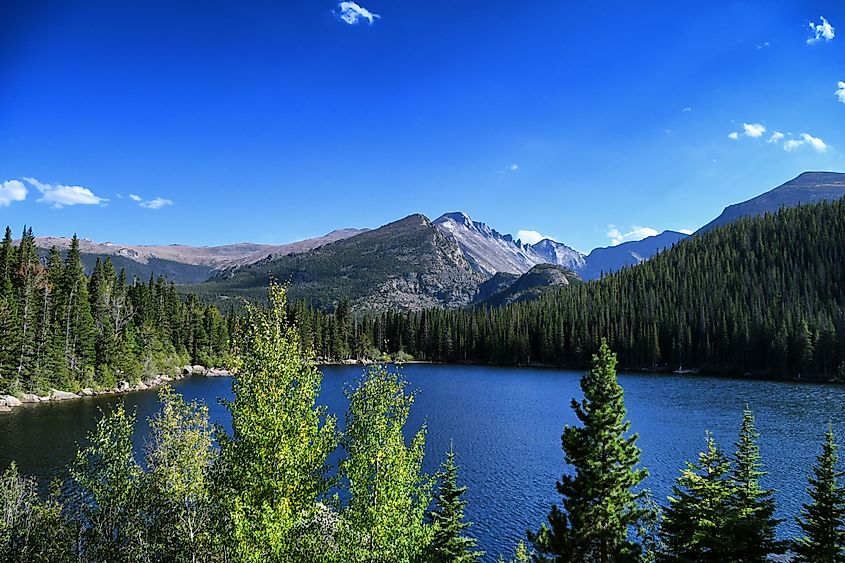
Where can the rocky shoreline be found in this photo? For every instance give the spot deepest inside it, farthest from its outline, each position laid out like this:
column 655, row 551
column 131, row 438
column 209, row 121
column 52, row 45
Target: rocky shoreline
column 9, row 402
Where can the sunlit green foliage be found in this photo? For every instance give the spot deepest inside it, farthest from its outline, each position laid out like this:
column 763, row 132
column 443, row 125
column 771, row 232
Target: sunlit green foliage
column 384, row 519
column 274, row 463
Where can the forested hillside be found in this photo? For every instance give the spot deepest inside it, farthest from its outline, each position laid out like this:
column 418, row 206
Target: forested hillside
column 763, row 295
column 62, row 329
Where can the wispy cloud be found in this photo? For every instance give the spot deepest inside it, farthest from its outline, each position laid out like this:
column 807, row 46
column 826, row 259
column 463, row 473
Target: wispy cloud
column 135, row 197
column 509, row 168
column 763, row 45
column 821, row 32
column 687, row 109
column 531, row 237
column 352, row 13
column 806, row 139
column 12, row 191
column 733, row 135
column 156, row 203
column 58, row 195
column 776, row 136
column 840, row 91
column 635, row 233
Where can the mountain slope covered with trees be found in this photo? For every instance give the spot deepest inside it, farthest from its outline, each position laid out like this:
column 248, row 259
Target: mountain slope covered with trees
column 763, row 295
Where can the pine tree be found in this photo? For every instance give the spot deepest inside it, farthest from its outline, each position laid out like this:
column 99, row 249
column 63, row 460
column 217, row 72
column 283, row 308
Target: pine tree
column 753, row 506
column 823, row 519
column 600, row 506
column 449, row 545
column 698, row 523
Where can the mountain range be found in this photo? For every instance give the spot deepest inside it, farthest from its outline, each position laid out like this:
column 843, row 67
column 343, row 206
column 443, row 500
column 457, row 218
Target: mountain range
column 414, row 262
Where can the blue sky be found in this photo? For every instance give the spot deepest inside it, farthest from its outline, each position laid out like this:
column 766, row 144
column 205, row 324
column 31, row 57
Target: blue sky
column 274, row 121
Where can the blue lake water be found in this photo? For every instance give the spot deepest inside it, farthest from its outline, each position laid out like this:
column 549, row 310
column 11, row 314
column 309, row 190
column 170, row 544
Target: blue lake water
column 505, row 425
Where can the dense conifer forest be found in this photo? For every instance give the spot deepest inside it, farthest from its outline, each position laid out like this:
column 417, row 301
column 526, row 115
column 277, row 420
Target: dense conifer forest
column 61, row 329
column 762, row 296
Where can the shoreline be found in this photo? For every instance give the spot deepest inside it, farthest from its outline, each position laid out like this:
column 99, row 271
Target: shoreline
column 8, row 403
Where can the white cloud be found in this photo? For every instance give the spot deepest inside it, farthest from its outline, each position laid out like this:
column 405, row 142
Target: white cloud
column 815, row 143
column 792, row 144
column 531, row 237
column 753, row 129
column 686, row 109
column 135, row 197
column 733, row 135
column 763, row 45
column 776, row 136
column 821, row 31
column 156, row 203
column 59, row 195
column 352, row 13
column 11, row 191
column 840, row 91
column 636, row 233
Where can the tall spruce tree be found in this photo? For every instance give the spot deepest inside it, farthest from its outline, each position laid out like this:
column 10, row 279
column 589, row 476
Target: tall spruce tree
column 698, row 523
column 823, row 519
column 601, row 507
column 449, row 545
column 753, row 506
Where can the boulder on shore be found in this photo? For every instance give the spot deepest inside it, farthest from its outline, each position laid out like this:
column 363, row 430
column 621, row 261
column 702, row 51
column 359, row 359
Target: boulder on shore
column 198, row 370
column 57, row 395
column 217, row 372
column 123, row 386
column 187, row 370
column 4, row 407
column 11, row 400
column 29, row 398
column 87, row 392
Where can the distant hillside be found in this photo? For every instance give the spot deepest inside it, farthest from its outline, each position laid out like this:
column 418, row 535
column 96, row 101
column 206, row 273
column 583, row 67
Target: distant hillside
column 407, row 264
column 532, row 284
column 173, row 271
column 809, row 187
column 495, row 284
column 180, row 263
column 613, row 258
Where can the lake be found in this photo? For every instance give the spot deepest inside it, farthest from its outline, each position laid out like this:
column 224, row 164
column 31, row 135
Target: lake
column 505, row 424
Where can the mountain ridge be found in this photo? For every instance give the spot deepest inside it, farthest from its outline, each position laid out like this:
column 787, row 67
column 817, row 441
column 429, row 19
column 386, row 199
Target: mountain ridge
column 808, row 187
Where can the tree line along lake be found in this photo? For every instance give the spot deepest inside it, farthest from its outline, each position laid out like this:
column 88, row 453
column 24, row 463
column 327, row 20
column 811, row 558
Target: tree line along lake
column 505, row 426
